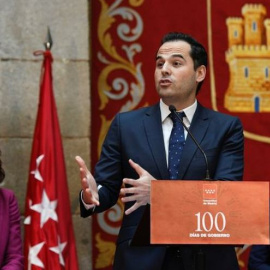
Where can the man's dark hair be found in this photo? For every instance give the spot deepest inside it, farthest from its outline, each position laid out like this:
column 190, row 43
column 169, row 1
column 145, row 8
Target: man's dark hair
column 197, row 52
column 2, row 172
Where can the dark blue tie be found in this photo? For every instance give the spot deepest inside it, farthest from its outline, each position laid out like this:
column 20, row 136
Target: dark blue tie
column 176, row 144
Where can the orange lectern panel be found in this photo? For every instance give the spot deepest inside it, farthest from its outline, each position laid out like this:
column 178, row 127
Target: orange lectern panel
column 209, row 212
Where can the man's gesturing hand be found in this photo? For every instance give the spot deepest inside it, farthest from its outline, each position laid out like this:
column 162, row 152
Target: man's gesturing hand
column 89, row 186
column 139, row 190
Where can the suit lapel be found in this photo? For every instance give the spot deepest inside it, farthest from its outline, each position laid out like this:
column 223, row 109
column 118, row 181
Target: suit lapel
column 153, row 129
column 198, row 129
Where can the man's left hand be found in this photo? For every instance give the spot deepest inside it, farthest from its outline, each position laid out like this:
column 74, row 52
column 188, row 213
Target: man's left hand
column 139, row 190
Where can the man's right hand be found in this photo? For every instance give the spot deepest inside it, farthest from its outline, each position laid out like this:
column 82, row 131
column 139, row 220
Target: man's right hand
column 89, row 185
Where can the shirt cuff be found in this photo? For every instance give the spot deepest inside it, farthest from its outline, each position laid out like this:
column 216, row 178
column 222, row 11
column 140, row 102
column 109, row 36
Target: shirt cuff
column 87, row 206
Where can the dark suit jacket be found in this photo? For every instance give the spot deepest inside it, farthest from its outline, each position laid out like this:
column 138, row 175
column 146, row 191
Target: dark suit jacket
column 259, row 257
column 11, row 257
column 138, row 135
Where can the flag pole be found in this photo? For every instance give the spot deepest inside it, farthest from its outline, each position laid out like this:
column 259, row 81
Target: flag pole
column 48, row 42
column 48, row 236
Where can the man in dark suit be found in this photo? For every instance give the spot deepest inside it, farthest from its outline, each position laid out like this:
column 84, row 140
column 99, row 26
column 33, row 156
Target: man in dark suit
column 259, row 257
column 136, row 152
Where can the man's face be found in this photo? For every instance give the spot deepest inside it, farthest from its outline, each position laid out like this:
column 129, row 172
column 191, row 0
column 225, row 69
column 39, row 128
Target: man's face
column 175, row 78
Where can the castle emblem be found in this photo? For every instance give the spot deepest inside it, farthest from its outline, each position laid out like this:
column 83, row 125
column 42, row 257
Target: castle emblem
column 248, row 57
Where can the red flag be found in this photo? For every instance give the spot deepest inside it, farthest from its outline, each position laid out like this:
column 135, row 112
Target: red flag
column 49, row 238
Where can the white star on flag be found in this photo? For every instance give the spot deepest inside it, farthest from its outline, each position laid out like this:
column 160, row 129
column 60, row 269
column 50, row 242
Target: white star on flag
column 58, row 250
column 32, row 256
column 27, row 219
column 46, row 208
column 36, row 171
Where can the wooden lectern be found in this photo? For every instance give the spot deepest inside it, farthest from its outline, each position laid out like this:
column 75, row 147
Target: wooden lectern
column 209, row 212
column 205, row 212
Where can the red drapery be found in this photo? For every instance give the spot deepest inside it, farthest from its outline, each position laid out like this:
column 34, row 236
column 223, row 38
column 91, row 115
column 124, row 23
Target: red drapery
column 125, row 37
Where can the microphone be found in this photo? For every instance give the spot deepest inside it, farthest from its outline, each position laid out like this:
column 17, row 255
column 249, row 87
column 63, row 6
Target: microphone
column 173, row 110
